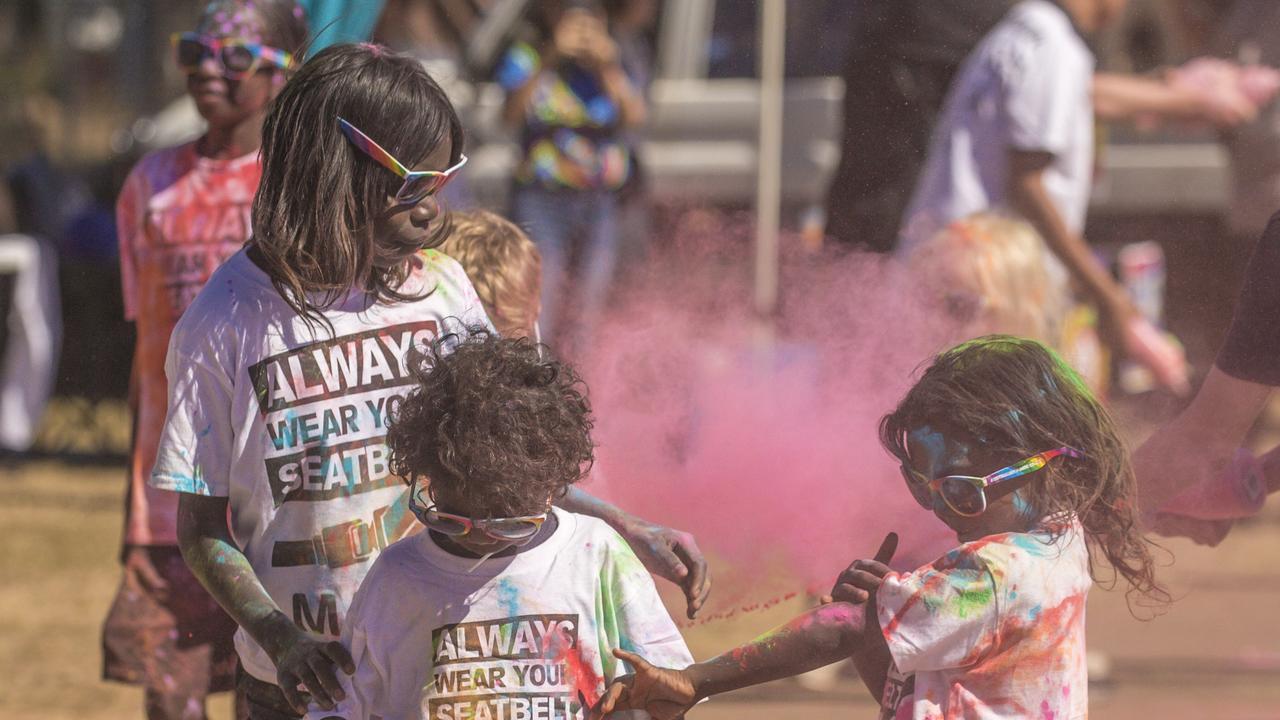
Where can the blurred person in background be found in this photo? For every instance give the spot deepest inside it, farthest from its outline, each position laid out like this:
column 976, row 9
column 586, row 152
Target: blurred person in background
column 1016, row 134
column 182, row 211
column 30, row 328
column 903, row 58
column 900, row 64
column 1194, row 479
column 571, row 99
column 630, row 24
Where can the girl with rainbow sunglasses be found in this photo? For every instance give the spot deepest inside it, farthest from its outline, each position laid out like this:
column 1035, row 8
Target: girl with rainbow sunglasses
column 1003, row 442
column 182, row 211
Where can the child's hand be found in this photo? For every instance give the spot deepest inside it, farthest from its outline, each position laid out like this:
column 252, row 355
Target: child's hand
column 311, row 662
column 862, row 578
column 1144, row 343
column 664, row 694
column 138, row 565
column 672, row 555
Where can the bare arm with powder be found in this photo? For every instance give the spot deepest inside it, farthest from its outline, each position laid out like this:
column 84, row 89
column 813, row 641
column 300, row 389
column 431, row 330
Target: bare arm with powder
column 820, row 637
column 665, row 552
column 220, row 565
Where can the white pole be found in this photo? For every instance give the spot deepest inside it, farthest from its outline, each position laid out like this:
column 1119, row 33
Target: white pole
column 773, row 34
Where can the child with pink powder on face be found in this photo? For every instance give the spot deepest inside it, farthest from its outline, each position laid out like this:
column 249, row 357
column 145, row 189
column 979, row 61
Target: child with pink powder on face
column 184, row 210
column 1003, row 442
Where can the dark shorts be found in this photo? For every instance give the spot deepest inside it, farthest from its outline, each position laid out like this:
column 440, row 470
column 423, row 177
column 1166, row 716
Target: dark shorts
column 264, row 700
column 179, row 647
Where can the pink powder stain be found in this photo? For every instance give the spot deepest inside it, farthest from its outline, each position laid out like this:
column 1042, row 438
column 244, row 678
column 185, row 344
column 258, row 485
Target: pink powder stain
column 1045, row 712
column 769, row 456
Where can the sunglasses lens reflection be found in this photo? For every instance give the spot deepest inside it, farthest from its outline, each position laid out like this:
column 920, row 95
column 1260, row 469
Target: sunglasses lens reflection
column 520, row 530
column 237, row 58
column 417, row 188
column 919, row 490
column 190, row 53
column 961, row 496
column 445, row 525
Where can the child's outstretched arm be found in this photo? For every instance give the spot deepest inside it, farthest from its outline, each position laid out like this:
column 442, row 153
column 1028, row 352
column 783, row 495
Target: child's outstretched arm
column 819, row 637
column 845, row 625
column 223, row 569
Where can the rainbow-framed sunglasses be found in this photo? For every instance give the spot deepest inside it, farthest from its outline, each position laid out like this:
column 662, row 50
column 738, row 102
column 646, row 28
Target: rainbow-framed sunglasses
column 966, row 495
column 418, row 184
column 237, row 58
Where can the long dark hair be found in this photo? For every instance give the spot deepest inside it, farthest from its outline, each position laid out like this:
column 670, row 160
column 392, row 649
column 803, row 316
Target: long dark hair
column 314, row 213
column 1017, row 397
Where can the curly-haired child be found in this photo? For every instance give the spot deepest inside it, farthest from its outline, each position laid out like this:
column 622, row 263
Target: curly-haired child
column 506, row 606
column 1003, row 442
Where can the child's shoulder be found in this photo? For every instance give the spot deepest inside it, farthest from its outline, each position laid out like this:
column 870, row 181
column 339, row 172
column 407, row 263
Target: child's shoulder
column 1019, row 554
column 431, row 261
column 157, row 165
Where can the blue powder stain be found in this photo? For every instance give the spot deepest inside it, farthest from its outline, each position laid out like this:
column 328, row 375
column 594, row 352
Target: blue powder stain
column 508, row 597
column 1034, row 613
column 207, row 429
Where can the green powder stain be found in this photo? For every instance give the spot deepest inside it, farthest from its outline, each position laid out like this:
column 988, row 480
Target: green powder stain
column 967, row 602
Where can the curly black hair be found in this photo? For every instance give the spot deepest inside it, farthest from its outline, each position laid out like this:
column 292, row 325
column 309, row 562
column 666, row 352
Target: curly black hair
column 1019, row 397
column 493, row 424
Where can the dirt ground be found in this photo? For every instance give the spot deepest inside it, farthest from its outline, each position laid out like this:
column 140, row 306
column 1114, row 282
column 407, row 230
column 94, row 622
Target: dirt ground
column 1214, row 654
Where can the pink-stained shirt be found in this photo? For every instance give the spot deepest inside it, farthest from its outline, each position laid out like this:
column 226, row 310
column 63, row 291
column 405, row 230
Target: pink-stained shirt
column 992, row 629
column 179, row 216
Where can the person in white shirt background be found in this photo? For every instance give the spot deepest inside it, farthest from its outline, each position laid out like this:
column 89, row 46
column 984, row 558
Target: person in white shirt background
column 1016, row 134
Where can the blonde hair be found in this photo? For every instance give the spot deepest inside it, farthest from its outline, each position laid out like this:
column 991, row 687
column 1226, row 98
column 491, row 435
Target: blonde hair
column 994, row 273
column 504, row 266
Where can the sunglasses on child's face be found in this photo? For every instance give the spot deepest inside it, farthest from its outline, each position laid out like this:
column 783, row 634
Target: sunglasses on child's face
column 966, row 495
column 515, row 530
column 237, row 59
column 418, row 184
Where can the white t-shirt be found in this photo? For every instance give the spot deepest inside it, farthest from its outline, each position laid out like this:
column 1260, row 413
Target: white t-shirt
column 992, row 629
column 1027, row 86
column 289, row 422
column 523, row 637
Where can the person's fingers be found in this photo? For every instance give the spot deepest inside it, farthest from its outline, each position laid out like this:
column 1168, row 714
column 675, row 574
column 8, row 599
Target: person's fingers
column 635, row 660
column 312, row 683
column 289, row 688
column 326, row 675
column 826, row 600
column 887, row 548
column 609, row 702
column 872, row 567
column 669, row 565
column 845, row 592
column 338, row 653
column 697, row 585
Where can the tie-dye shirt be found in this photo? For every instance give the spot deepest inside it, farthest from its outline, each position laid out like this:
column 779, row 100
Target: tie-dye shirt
column 179, row 216
column 571, row 137
column 992, row 629
column 525, row 636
